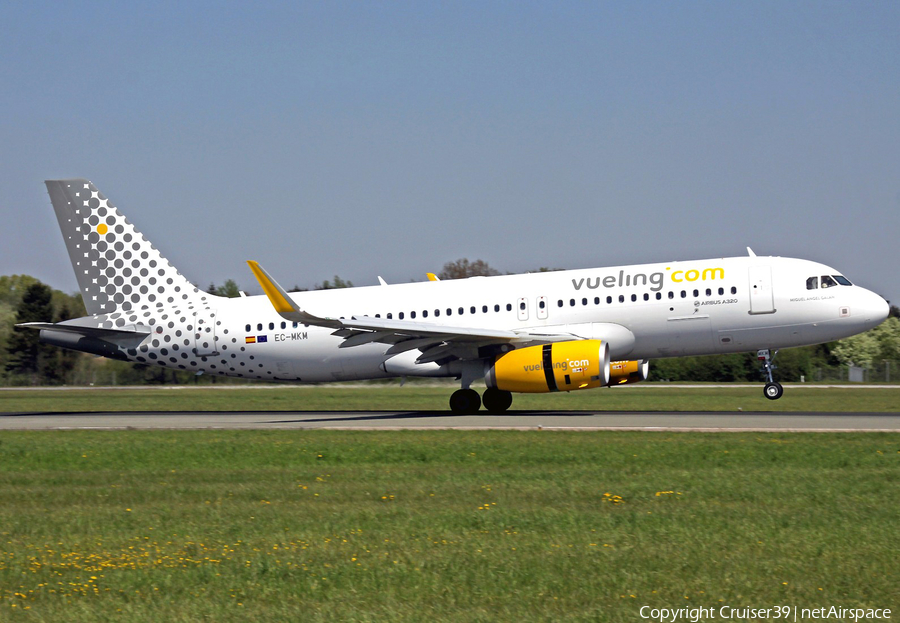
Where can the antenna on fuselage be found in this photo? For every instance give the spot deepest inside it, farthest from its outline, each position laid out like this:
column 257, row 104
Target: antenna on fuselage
column 750, row 252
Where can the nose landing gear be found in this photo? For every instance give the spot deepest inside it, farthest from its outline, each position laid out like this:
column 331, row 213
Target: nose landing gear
column 772, row 390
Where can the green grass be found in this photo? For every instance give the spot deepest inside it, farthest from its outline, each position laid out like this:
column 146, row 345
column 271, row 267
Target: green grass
column 440, row 525
column 418, row 398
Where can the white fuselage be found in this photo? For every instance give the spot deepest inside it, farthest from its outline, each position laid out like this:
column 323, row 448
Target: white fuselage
column 643, row 311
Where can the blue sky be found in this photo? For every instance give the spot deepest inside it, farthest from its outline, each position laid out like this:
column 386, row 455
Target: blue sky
column 366, row 139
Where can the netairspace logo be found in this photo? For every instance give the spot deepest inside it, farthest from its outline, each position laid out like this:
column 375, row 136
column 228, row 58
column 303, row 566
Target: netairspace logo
column 784, row 613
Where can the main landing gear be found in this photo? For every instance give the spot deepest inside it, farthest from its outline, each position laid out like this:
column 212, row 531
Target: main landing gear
column 772, row 390
column 467, row 401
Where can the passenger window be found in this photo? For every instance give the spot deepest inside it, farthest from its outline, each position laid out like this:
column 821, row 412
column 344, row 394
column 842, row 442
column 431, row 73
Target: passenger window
column 259, row 327
column 472, row 309
column 412, row 314
column 683, row 294
column 633, row 298
column 271, row 326
column 484, row 309
column 449, row 311
column 621, row 298
column 247, row 328
column 584, row 301
column 671, row 294
column 646, row 296
column 400, row 315
column 496, row 307
column 721, row 291
column 284, row 325
column 295, row 324
column 659, row 296
column 708, row 292
column 390, row 316
column 596, row 300
column 522, row 305
column 437, row 313
column 696, row 293
column 461, row 311
column 509, row 306
column 812, row 283
column 733, row 290
column 571, row 302
column 424, row 313
column 609, row 300
column 559, row 303
column 542, row 304
column 842, row 280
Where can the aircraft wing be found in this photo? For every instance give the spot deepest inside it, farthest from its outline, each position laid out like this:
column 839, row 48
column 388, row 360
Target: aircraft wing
column 438, row 342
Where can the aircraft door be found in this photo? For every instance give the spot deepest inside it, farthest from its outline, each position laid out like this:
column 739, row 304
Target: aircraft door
column 205, row 332
column 522, row 308
column 762, row 299
column 542, row 307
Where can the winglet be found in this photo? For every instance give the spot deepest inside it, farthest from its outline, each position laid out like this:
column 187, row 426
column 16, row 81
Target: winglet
column 283, row 303
column 280, row 299
column 432, row 277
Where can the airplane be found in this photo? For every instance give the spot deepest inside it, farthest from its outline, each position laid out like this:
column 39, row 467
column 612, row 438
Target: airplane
column 528, row 333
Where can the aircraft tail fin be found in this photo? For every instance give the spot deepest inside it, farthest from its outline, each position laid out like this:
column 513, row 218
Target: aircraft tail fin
column 117, row 268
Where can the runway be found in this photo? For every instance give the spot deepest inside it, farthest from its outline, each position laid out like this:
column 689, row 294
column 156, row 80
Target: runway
column 737, row 421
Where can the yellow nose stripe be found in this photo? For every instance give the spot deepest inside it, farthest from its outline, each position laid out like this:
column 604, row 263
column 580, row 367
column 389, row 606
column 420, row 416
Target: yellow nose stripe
column 102, row 228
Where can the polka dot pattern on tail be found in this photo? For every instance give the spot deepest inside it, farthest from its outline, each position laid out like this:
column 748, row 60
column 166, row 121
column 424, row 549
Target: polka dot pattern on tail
column 116, row 266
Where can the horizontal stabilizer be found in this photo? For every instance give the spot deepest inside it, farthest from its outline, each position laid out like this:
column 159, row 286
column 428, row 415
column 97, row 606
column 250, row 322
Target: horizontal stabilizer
column 95, row 332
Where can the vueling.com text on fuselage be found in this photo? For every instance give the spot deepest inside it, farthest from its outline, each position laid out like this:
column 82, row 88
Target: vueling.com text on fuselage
column 655, row 280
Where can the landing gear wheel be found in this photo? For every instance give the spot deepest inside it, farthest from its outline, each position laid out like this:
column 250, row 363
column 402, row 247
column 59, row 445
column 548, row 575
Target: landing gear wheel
column 773, row 391
column 465, row 402
column 496, row 400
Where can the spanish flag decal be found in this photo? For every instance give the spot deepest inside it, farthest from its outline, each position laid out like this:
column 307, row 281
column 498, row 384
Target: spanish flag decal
column 250, row 339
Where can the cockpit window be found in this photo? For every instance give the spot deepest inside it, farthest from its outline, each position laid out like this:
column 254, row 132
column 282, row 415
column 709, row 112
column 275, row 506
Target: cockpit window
column 828, row 282
column 812, row 283
column 842, row 280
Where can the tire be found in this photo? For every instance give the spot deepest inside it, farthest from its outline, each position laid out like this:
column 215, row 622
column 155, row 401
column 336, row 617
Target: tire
column 773, row 391
column 496, row 400
column 465, row 402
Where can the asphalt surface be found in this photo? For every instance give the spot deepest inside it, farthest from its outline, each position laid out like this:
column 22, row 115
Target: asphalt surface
column 515, row 420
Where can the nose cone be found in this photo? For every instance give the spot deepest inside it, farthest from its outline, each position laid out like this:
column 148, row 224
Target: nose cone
column 875, row 309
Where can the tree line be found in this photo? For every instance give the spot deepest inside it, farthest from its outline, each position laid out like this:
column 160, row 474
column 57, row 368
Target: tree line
column 25, row 361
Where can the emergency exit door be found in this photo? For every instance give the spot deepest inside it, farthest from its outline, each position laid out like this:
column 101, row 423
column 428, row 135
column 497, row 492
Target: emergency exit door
column 762, row 299
column 205, row 332
column 522, row 308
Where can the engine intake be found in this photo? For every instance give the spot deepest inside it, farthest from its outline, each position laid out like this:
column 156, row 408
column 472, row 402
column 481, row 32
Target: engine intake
column 557, row 367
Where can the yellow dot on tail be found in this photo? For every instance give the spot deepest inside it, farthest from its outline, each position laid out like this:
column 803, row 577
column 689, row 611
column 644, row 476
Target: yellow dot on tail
column 102, row 228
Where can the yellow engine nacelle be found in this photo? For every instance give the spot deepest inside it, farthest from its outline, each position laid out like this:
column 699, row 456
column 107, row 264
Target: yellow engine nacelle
column 626, row 372
column 558, row 367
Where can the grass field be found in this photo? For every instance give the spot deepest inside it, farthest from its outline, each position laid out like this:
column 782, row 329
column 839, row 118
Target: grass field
column 424, row 398
column 440, row 525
